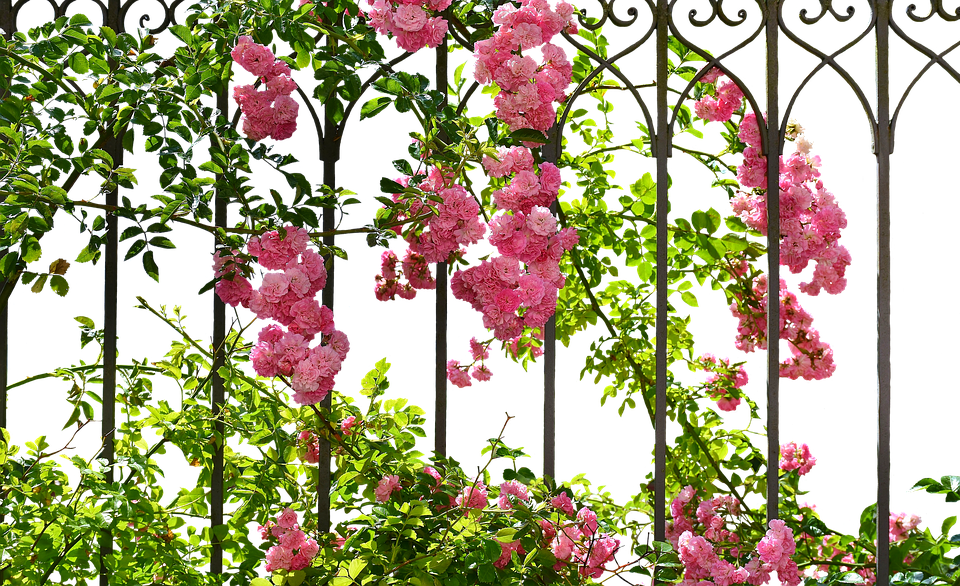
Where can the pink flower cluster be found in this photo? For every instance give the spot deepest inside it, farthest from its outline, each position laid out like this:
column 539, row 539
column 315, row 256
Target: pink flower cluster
column 289, row 298
column 462, row 378
column 796, row 327
column 901, row 524
column 456, row 223
column 270, row 111
column 719, row 105
column 498, row 287
column 810, row 219
column 293, row 550
column 575, row 541
column 528, row 87
column 518, row 289
column 579, row 541
column 796, row 457
column 704, row 543
column 811, row 224
column 414, row 24
column 722, row 379
column 311, row 445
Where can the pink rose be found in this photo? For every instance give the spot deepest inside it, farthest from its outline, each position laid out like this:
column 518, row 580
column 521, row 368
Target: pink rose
column 410, row 17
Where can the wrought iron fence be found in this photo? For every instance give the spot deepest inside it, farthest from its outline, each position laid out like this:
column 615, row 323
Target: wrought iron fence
column 117, row 13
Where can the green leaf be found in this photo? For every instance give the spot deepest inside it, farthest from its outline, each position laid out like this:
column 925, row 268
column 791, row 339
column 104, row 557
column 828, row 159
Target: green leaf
column 689, row 298
column 303, row 58
column 192, row 93
column 390, row 186
column 296, row 578
column 38, row 286
column 259, row 582
column 79, row 20
column 162, row 242
column 351, row 88
column 374, row 107
column 135, row 249
column 376, row 377
column 529, row 135
column 30, row 249
column 78, row 62
column 59, row 285
column 150, row 266
column 108, row 35
column 335, row 109
column 356, row 566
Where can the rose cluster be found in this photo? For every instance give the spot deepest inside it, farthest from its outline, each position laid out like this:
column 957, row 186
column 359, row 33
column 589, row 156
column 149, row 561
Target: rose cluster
column 461, row 376
column 455, row 223
column 293, row 550
column 700, row 542
column 514, row 291
column 572, row 536
column 721, row 379
column 704, row 541
column 719, row 104
column 518, row 289
column 528, row 87
column 811, row 225
column 288, row 297
column 810, row 219
column 414, row 24
column 796, row 457
column 269, row 111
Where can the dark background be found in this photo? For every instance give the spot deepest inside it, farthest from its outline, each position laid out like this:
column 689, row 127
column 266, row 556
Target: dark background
column 835, row 416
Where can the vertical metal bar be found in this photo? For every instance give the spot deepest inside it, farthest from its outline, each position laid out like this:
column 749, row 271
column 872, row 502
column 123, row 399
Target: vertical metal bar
column 773, row 261
column 440, row 409
column 662, row 143
column 3, row 358
column 114, row 146
column 8, row 25
column 330, row 154
column 218, row 399
column 550, row 152
column 883, row 149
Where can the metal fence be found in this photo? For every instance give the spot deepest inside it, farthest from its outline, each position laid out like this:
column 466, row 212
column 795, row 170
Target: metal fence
column 116, row 14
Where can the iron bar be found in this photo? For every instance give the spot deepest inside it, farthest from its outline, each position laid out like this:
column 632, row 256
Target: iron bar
column 440, row 404
column 550, row 153
column 8, row 25
column 330, row 155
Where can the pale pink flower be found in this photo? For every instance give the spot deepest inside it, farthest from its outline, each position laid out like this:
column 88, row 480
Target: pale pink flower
column 388, row 484
column 410, row 17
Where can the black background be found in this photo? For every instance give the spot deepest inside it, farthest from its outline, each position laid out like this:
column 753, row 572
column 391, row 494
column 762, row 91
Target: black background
column 837, row 416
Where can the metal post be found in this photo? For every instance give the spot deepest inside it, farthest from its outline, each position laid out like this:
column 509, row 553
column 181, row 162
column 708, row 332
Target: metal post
column 550, row 152
column 440, row 409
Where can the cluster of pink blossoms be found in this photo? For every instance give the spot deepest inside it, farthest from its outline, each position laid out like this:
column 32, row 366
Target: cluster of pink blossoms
column 293, row 550
column 810, row 219
column 796, row 457
column 517, row 289
column 514, row 291
column 721, row 380
column 702, row 545
column 270, row 111
column 810, row 224
column 572, row 541
column 695, row 540
column 527, row 88
column 288, row 297
column 414, row 24
column 455, row 224
column 460, row 376
column 719, row 105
